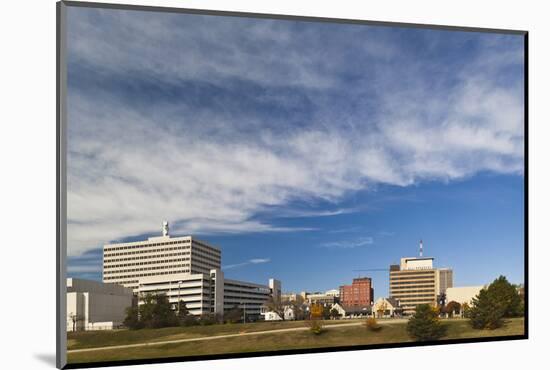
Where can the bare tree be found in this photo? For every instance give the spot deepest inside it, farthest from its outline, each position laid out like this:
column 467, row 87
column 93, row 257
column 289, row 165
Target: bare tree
column 275, row 305
column 75, row 319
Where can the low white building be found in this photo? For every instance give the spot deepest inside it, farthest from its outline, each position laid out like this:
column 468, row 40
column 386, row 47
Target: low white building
column 210, row 293
column 352, row 312
column 386, row 308
column 463, row 294
column 274, row 316
column 92, row 305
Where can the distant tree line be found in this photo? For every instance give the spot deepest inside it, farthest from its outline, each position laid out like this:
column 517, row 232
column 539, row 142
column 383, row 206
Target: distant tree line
column 155, row 311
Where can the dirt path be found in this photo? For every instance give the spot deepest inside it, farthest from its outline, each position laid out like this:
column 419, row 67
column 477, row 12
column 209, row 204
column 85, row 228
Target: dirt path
column 224, row 336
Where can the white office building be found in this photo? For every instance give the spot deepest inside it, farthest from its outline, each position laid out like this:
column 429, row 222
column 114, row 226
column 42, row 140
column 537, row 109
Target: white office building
column 92, row 305
column 127, row 263
column 184, row 269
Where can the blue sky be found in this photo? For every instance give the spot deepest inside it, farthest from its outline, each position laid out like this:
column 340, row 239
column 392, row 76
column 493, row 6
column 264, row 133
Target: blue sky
column 303, row 150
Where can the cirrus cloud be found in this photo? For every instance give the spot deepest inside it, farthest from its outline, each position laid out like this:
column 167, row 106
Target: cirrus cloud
column 203, row 122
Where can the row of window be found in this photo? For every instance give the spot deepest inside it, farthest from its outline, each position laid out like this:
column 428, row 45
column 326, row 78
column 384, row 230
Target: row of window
column 146, row 263
column 412, row 273
column 146, row 269
column 129, row 282
column 416, row 282
column 206, row 263
column 145, row 245
column 144, row 251
column 164, row 255
column 174, row 293
column 207, row 247
column 422, row 279
column 206, row 252
column 231, row 297
column 141, row 275
column 409, row 297
column 413, row 291
column 176, row 282
column 409, row 287
column 258, row 293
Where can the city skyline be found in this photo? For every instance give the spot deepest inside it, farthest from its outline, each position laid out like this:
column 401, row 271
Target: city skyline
column 298, row 166
column 469, row 268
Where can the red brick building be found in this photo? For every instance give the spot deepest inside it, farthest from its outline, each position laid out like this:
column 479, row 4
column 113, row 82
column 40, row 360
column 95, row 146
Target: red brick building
column 359, row 293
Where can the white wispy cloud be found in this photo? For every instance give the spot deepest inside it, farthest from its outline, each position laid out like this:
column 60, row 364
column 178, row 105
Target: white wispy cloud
column 350, row 243
column 253, row 261
column 299, row 213
column 212, row 167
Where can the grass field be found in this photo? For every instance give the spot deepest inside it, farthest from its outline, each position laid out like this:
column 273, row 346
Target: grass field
column 332, row 337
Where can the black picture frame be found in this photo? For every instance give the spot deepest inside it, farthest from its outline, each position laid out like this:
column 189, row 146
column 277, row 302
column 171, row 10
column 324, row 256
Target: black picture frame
column 61, row 186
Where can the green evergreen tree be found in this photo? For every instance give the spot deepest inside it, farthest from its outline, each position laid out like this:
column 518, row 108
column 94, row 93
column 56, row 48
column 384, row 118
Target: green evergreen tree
column 182, row 312
column 485, row 314
column 425, row 324
column 163, row 315
column 326, row 312
column 131, row 321
column 506, row 296
column 146, row 310
column 499, row 300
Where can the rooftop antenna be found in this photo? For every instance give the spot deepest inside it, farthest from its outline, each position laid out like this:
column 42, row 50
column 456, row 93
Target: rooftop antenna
column 421, row 248
column 165, row 228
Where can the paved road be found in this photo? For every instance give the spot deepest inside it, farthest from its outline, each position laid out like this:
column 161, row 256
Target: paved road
column 357, row 323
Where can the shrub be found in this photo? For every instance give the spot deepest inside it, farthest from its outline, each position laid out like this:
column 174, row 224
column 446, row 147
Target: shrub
column 234, row 315
column 452, row 308
column 425, row 324
column 372, row 325
column 334, row 314
column 189, row 320
column 209, row 319
column 315, row 326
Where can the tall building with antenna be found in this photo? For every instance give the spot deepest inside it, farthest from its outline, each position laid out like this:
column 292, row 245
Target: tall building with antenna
column 416, row 281
column 185, row 269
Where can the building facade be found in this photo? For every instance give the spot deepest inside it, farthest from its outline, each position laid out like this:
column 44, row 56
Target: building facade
column 321, row 298
column 208, row 293
column 351, row 312
column 92, row 305
column 463, row 294
column 359, row 293
column 415, row 281
column 386, row 308
column 185, row 269
column 268, row 315
column 126, row 263
column 249, row 297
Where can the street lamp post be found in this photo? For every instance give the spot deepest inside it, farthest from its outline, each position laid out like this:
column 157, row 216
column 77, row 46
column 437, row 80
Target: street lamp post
column 179, row 298
column 244, row 312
